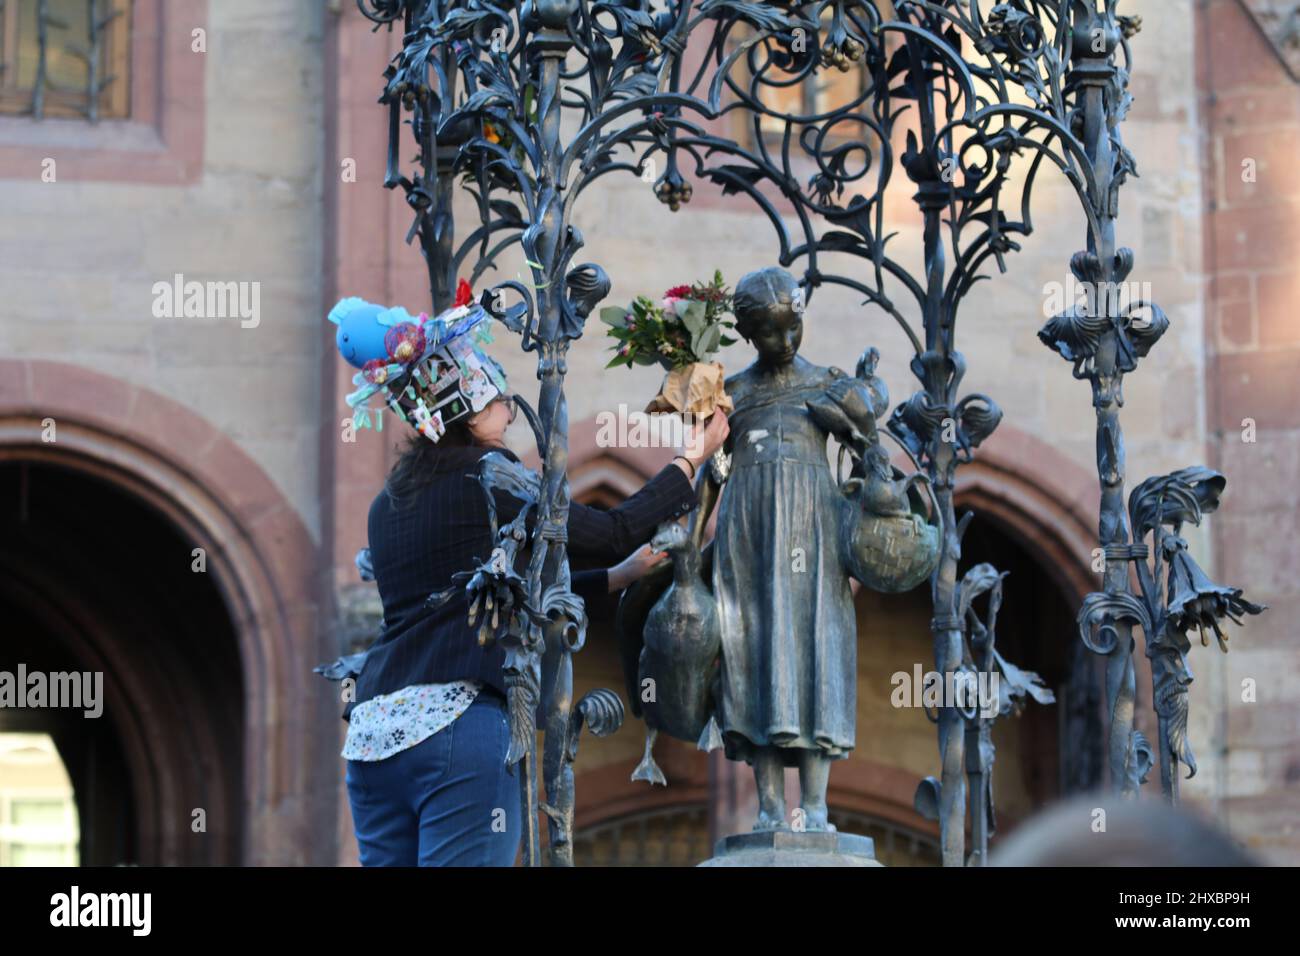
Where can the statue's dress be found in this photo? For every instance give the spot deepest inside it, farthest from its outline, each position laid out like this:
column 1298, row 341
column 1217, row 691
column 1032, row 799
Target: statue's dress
column 789, row 633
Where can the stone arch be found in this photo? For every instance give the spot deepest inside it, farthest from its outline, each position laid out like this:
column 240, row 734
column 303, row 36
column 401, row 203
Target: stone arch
column 1042, row 499
column 259, row 553
column 1044, row 506
column 1045, row 500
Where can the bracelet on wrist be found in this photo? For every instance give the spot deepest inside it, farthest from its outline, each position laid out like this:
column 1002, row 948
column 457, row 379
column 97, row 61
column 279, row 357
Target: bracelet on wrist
column 689, row 462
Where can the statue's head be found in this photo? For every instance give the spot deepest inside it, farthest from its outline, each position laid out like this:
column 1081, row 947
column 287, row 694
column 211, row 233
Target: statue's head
column 769, row 313
column 878, row 462
column 670, row 536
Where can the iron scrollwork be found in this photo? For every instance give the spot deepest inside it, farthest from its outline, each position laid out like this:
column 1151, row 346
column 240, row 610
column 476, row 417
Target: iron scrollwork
column 979, row 90
column 486, row 86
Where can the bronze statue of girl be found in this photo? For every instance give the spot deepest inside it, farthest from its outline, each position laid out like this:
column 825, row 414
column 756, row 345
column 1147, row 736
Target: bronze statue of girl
column 789, row 633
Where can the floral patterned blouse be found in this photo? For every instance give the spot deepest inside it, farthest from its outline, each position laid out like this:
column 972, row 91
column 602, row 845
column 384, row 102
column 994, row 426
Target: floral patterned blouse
column 391, row 723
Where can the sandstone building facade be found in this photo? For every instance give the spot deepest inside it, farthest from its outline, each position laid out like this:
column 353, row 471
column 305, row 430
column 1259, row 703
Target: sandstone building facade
column 250, row 149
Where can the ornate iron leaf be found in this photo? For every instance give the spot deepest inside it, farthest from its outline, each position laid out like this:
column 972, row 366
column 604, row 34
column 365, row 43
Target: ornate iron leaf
column 1140, row 760
column 1182, row 496
column 1101, row 611
column 978, row 416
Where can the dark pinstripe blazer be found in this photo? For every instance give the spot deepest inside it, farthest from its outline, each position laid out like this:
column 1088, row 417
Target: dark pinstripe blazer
column 417, row 544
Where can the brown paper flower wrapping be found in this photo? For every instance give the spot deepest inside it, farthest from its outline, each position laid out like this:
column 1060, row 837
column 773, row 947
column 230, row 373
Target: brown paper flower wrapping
column 696, row 389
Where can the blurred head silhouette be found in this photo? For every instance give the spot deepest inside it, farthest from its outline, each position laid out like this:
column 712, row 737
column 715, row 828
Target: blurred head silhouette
column 1102, row 831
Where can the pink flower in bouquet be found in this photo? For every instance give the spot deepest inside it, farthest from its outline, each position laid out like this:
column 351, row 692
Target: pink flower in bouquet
column 675, row 294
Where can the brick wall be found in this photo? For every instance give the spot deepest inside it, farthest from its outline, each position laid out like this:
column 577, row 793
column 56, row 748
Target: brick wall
column 1251, row 118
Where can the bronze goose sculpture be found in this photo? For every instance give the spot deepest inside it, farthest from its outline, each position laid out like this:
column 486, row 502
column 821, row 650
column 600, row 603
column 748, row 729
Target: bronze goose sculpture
column 671, row 671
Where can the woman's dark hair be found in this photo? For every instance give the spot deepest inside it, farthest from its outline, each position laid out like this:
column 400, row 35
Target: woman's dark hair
column 419, row 460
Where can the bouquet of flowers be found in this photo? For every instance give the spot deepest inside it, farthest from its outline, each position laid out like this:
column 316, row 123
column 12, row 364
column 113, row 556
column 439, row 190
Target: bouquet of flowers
column 680, row 333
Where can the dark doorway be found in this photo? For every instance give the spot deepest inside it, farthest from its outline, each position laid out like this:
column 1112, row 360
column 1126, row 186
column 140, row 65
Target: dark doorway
column 93, row 579
column 1036, row 630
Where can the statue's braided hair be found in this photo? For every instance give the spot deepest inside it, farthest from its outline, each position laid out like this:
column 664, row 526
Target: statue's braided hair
column 763, row 294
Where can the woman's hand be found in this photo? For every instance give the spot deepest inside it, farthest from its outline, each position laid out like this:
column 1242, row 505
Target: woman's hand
column 634, row 567
column 701, row 443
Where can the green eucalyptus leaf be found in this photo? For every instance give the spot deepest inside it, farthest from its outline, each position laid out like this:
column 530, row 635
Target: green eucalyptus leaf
column 691, row 312
column 614, row 315
column 711, row 340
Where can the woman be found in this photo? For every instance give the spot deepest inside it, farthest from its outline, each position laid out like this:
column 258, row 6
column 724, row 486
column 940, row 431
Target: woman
column 428, row 732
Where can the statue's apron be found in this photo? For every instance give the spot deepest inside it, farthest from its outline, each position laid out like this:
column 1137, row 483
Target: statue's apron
column 789, row 631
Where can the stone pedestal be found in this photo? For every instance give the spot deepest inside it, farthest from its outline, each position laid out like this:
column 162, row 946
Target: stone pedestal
column 788, row 848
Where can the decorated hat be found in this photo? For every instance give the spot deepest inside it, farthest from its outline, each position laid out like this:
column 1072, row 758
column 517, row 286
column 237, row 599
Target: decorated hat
column 428, row 372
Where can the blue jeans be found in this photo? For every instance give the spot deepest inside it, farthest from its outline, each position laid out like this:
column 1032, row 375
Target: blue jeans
column 447, row 801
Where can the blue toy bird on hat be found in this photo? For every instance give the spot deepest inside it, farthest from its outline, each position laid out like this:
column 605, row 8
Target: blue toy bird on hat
column 360, row 336
column 432, row 372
